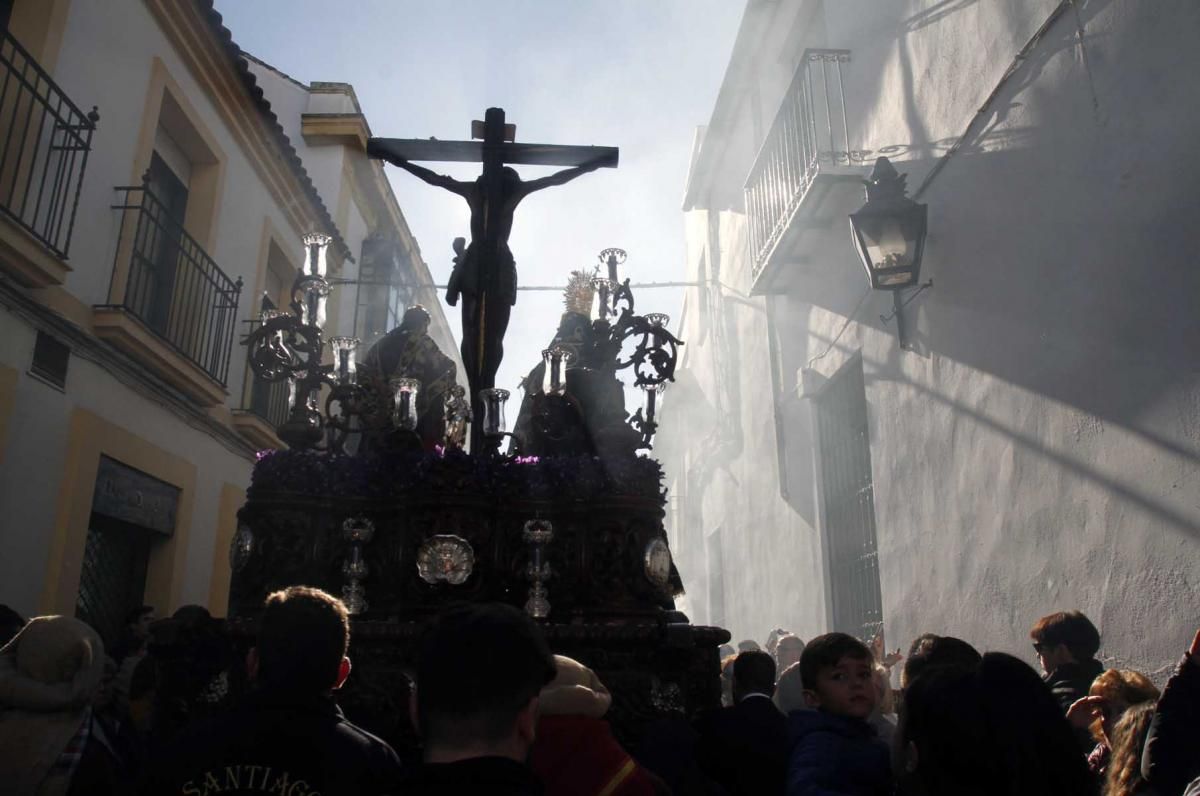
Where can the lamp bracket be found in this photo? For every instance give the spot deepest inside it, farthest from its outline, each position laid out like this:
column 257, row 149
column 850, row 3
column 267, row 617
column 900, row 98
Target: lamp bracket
column 901, row 304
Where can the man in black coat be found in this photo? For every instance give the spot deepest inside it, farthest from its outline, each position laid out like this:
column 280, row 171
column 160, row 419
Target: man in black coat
column 1066, row 644
column 744, row 747
column 289, row 736
column 480, row 670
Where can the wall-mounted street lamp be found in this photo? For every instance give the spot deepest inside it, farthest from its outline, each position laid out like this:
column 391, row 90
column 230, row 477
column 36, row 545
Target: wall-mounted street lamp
column 889, row 236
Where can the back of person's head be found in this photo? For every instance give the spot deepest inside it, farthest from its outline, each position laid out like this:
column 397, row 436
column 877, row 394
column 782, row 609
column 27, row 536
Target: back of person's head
column 11, row 623
column 575, row 691
column 478, row 668
column 1124, row 687
column 937, row 651
column 789, row 691
column 1120, row 689
column 1070, row 628
column 192, row 615
column 773, row 639
column 993, row 728
column 825, row 651
column 1124, row 774
column 788, row 649
column 134, row 615
column 747, row 645
column 919, row 642
column 303, row 637
column 753, row 673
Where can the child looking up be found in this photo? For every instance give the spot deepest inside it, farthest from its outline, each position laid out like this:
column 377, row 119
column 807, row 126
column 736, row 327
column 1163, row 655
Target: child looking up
column 833, row 748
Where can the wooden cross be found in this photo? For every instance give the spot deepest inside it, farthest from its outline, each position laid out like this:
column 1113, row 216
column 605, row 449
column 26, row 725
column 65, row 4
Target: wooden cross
column 485, row 273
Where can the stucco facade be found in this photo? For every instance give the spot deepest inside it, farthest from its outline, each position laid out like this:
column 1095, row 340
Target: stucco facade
column 169, row 86
column 1037, row 447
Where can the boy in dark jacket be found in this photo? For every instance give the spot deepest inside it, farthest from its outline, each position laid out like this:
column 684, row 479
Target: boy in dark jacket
column 834, row 750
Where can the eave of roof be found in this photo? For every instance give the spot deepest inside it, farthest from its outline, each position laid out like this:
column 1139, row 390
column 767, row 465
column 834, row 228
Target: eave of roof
column 238, row 60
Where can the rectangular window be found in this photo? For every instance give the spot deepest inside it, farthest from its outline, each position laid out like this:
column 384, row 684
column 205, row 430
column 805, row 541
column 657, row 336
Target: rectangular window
column 50, row 360
column 848, row 502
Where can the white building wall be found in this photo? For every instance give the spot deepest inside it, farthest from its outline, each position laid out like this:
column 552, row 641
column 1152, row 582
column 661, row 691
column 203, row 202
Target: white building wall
column 1038, row 449
column 106, row 59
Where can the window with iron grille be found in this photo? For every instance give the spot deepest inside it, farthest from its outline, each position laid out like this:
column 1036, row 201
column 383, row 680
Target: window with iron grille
column 50, row 360
column 112, row 580
column 132, row 512
column 848, row 503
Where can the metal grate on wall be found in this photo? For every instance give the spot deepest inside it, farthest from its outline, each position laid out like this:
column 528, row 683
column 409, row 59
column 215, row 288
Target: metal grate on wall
column 848, row 501
column 50, row 360
column 113, row 576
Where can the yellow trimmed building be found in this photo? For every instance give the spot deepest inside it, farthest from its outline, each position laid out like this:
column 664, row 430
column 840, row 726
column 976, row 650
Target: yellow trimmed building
column 146, row 207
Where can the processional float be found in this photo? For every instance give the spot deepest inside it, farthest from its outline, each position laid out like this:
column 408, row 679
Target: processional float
column 394, row 493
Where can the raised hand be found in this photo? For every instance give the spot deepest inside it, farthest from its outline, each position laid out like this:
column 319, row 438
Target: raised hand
column 1083, row 712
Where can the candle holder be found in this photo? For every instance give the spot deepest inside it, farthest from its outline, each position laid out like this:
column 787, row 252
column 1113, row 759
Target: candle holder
column 612, row 260
column 604, row 289
column 404, row 397
column 555, row 362
column 289, row 346
column 538, row 534
column 343, row 359
column 357, row 531
column 494, row 425
column 645, row 419
column 658, row 319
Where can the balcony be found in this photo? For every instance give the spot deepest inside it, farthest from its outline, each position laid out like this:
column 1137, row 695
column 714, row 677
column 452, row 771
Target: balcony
column 44, row 144
column 803, row 156
column 173, row 308
column 265, row 409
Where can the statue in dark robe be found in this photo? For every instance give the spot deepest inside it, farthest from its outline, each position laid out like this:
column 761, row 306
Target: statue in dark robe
column 408, row 351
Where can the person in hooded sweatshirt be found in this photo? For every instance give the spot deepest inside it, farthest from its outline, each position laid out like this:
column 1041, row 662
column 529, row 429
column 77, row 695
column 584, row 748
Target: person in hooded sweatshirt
column 834, row 750
column 575, row 752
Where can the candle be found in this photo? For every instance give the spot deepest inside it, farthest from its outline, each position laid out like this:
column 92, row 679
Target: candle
column 404, row 393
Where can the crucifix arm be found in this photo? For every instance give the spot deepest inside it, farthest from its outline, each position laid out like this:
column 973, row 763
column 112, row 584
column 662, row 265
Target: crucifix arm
column 561, row 177
column 431, row 177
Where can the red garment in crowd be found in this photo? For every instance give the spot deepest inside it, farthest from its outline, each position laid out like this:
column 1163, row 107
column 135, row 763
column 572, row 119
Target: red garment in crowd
column 578, row 756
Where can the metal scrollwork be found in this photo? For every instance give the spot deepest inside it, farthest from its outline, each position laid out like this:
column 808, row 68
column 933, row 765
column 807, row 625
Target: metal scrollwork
column 657, row 351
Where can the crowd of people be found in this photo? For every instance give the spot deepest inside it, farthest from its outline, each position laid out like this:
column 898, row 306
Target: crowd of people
column 498, row 713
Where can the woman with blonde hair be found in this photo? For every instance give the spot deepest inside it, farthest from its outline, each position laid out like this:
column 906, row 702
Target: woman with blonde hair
column 1124, row 776
column 1112, row 693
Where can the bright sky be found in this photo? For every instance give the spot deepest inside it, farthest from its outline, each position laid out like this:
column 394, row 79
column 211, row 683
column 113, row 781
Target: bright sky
column 636, row 74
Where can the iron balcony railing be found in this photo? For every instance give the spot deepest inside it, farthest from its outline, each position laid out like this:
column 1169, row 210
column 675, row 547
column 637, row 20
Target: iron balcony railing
column 809, row 133
column 44, row 144
column 175, row 288
column 269, row 400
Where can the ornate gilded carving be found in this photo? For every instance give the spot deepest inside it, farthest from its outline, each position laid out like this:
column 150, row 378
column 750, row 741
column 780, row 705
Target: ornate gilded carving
column 445, row 558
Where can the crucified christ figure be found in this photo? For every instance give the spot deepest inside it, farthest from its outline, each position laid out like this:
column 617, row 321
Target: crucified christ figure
column 485, row 274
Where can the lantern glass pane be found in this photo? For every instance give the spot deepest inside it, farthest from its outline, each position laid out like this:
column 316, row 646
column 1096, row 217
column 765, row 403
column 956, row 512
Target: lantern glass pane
column 888, row 241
